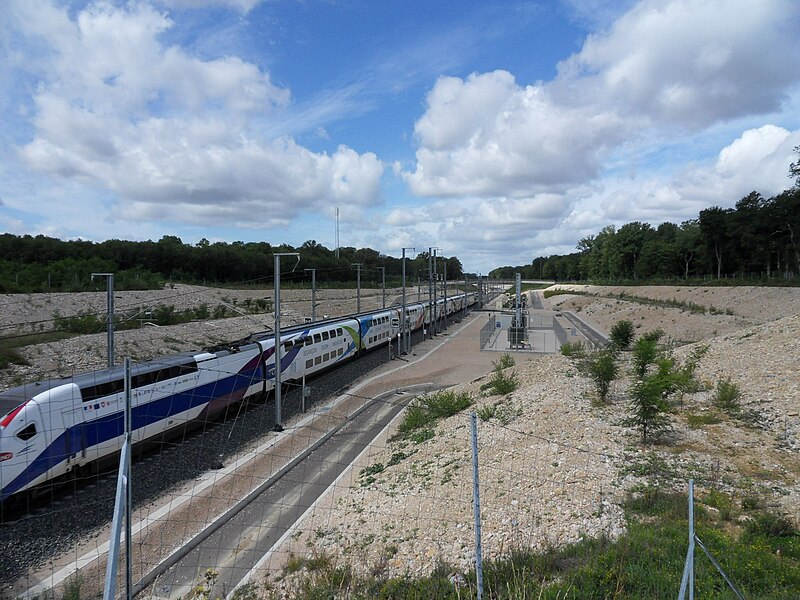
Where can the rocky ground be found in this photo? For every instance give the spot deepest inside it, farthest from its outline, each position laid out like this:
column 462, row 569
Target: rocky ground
column 26, row 313
column 554, row 464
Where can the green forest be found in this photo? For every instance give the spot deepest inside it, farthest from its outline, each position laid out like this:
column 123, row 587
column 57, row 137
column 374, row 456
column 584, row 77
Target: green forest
column 45, row 264
column 758, row 239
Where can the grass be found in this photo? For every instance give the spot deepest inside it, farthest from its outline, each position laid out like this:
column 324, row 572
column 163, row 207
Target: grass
column 425, row 410
column 573, row 350
column 691, row 307
column 560, row 291
column 701, row 420
column 501, row 383
column 526, row 287
column 762, row 558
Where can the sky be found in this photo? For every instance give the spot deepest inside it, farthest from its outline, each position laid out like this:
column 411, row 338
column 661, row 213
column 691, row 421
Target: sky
column 496, row 131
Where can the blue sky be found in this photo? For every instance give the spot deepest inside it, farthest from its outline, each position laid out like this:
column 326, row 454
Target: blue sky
column 496, row 131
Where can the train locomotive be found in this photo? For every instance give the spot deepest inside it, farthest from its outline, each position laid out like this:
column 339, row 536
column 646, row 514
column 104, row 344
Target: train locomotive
column 51, row 429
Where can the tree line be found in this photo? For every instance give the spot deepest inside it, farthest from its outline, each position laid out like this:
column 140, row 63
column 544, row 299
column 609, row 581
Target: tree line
column 45, row 264
column 757, row 239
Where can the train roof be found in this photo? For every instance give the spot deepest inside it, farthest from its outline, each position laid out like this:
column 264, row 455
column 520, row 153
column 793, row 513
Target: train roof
column 13, row 397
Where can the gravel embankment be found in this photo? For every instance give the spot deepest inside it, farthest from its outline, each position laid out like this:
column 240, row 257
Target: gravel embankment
column 554, row 466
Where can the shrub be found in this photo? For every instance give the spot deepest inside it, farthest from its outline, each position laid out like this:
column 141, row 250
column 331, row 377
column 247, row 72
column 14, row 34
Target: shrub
column 603, row 370
column 501, row 382
column 645, row 353
column 82, row 323
column 653, row 336
column 427, row 408
column 622, row 335
column 648, row 409
column 506, row 361
column 573, row 350
column 727, row 396
column 487, row 411
column 772, row 525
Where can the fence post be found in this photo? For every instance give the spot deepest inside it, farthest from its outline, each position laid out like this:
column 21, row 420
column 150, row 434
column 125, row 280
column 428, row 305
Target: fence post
column 476, row 507
column 122, row 505
column 688, row 568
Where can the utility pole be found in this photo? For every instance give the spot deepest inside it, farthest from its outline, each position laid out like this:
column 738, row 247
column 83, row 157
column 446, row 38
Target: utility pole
column 435, row 284
column 278, row 345
column 313, row 293
column 430, row 291
column 358, row 286
column 109, row 314
column 444, row 267
column 405, row 343
column 383, row 284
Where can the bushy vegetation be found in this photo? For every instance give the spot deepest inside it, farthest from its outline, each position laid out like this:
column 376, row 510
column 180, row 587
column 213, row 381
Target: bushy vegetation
column 573, row 350
column 504, row 362
column 425, row 410
column 161, row 315
column 727, row 396
column 603, row 369
column 645, row 353
column 648, row 408
column 502, row 381
column 621, row 335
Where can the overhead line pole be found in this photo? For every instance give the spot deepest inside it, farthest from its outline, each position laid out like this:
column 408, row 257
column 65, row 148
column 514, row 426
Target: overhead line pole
column 278, row 345
column 444, row 263
column 109, row 314
column 358, row 286
column 405, row 343
column 313, row 293
column 430, row 290
column 383, row 284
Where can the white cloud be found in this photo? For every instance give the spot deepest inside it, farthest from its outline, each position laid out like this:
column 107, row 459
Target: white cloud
column 664, row 67
column 173, row 135
column 243, row 6
column 689, row 62
column 487, row 136
column 757, row 160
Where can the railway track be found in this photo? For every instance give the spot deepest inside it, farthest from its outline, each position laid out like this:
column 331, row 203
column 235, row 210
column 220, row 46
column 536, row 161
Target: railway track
column 76, row 513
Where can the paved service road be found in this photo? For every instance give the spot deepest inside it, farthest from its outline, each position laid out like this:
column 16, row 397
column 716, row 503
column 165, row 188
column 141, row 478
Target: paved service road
column 234, row 549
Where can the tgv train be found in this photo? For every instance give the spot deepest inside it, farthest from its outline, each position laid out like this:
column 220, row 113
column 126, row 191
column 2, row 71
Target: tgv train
column 51, row 428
